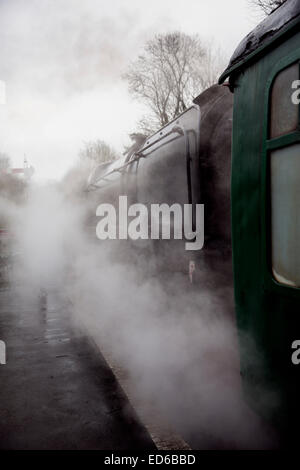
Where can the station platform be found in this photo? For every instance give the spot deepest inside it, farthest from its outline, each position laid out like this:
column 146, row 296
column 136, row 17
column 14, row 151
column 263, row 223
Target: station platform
column 56, row 389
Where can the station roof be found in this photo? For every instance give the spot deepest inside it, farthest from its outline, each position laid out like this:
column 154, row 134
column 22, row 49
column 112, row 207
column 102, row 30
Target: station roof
column 276, row 24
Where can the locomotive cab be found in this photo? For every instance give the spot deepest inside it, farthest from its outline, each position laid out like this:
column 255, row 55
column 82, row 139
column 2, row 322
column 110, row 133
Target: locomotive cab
column 265, row 191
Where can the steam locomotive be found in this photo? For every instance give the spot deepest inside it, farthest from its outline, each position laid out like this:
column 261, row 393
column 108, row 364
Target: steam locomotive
column 247, row 152
column 185, row 162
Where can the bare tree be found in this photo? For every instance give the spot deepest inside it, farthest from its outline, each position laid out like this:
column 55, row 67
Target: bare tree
column 96, row 152
column 267, row 5
column 92, row 154
column 173, row 69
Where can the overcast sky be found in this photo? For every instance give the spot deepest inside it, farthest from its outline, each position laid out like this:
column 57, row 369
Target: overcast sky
column 62, row 62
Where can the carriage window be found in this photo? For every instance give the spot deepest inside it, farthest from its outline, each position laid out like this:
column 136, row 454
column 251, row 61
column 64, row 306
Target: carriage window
column 284, row 114
column 285, row 214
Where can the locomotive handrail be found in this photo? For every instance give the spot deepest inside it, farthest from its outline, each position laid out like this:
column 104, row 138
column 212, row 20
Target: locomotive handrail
column 184, row 133
column 140, row 154
column 136, row 156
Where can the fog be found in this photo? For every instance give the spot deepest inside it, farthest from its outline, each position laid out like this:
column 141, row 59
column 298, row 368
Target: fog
column 62, row 63
column 178, row 344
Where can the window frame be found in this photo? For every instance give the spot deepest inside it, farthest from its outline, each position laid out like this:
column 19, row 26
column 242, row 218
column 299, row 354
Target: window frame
column 268, row 145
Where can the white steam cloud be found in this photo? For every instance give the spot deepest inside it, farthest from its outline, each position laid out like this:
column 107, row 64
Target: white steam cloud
column 179, row 346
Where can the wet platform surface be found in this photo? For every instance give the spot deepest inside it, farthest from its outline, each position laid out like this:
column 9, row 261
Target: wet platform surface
column 56, row 390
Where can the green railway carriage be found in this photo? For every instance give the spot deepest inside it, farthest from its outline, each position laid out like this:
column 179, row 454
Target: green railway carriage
column 264, row 75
